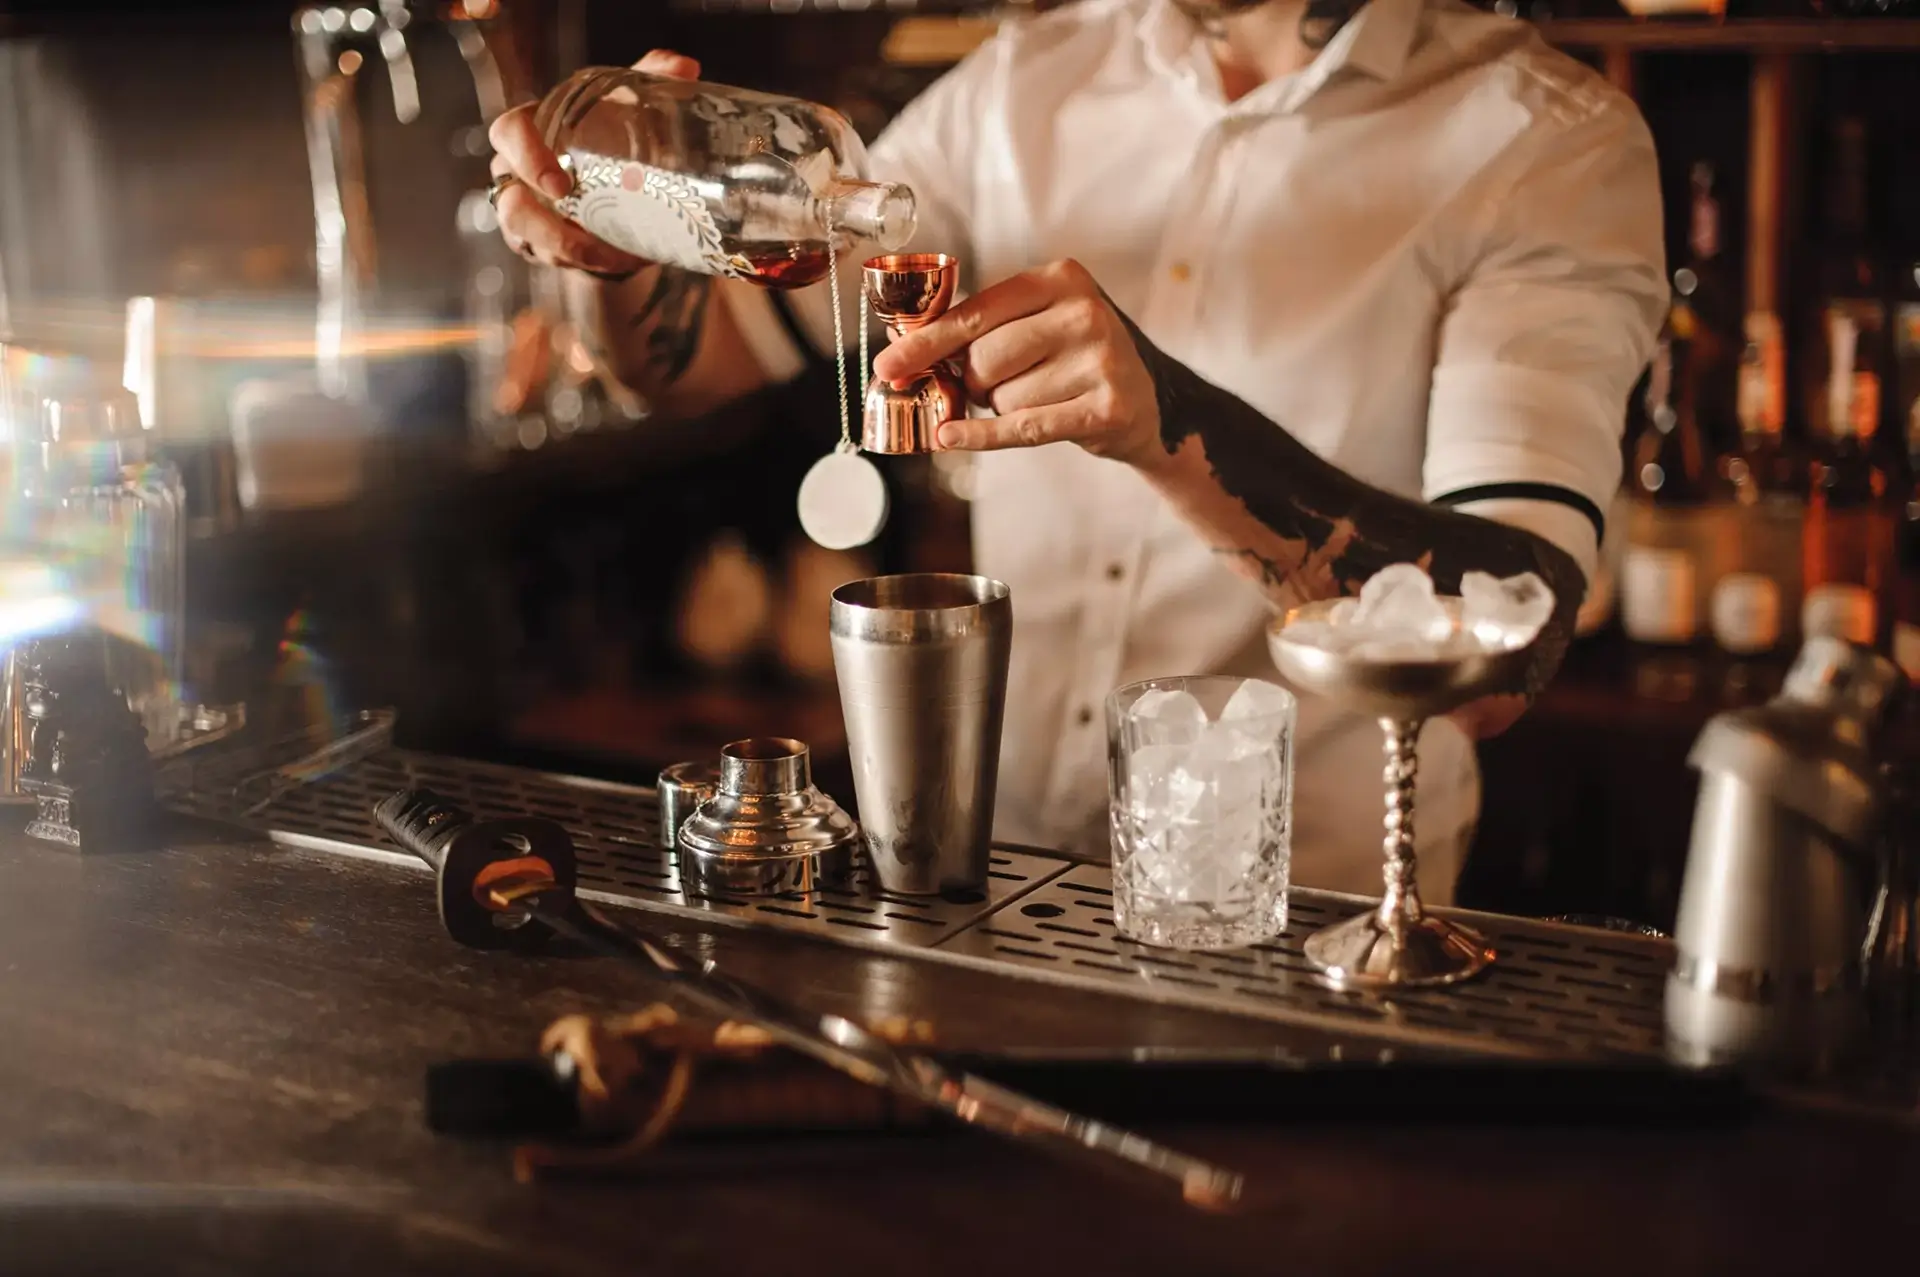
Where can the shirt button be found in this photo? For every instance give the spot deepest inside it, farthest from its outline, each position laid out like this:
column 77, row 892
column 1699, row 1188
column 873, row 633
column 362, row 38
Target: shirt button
column 1181, row 272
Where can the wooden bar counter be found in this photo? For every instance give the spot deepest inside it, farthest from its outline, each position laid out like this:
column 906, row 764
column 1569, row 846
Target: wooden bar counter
column 212, row 1058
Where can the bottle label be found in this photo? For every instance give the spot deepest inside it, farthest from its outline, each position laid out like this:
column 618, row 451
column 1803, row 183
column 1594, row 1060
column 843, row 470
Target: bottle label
column 1746, row 612
column 1763, row 377
column 1907, row 355
column 1840, row 611
column 1704, row 234
column 1906, row 649
column 649, row 212
column 1657, row 601
column 1865, row 417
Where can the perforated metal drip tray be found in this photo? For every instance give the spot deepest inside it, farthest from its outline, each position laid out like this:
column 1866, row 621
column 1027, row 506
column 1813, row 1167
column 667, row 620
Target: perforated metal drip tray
column 1556, row 992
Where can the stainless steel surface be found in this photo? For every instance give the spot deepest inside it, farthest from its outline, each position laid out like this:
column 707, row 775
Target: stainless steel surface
column 1557, row 993
column 1891, row 956
column 681, row 789
column 909, row 291
column 922, row 666
column 765, row 829
column 1399, row 944
column 1780, row 869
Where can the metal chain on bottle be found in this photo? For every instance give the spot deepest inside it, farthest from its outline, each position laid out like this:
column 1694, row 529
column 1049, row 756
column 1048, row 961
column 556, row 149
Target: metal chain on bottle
column 846, row 443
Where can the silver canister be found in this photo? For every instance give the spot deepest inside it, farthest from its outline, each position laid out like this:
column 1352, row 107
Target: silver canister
column 766, row 830
column 682, row 788
column 1772, row 914
column 922, row 664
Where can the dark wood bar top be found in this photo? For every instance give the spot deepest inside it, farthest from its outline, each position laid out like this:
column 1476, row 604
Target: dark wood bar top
column 211, row 1061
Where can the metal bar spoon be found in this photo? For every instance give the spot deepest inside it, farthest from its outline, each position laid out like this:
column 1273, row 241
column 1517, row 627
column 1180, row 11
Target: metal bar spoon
column 497, row 877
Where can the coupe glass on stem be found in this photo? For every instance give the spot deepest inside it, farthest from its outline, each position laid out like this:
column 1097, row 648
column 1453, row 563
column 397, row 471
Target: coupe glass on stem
column 1397, row 944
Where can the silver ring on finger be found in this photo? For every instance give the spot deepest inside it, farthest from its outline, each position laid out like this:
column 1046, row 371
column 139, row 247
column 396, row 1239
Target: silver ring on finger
column 498, row 188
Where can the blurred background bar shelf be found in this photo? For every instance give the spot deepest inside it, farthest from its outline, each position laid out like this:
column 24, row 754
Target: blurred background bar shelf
column 558, row 578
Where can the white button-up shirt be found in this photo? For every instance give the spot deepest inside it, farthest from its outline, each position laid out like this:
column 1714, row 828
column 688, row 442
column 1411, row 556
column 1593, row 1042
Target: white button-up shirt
column 1434, row 255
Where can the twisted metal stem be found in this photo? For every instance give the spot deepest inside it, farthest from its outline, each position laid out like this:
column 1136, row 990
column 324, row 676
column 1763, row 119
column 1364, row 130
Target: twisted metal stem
column 1401, row 903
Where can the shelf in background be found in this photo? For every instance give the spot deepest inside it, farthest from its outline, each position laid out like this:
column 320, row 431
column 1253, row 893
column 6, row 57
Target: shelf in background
column 1853, row 35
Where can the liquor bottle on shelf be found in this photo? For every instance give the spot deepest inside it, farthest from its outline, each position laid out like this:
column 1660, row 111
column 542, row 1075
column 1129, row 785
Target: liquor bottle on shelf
column 1848, row 320
column 1904, row 637
column 716, row 180
column 1771, row 466
column 1904, row 419
column 1660, row 579
column 1706, row 328
column 1848, row 543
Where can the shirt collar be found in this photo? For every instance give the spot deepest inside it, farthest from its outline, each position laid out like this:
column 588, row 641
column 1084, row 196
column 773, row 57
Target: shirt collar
column 1377, row 42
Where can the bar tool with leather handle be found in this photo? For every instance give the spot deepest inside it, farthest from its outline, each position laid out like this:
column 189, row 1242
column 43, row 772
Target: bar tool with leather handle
column 1773, row 906
column 603, row 1092
column 523, row 870
column 468, row 856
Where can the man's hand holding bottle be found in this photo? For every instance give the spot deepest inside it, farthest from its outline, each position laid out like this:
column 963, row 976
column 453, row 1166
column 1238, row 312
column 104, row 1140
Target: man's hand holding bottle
column 523, row 164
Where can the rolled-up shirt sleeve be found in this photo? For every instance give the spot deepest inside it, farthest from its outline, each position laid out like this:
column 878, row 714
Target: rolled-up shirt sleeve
column 930, row 148
column 1552, row 324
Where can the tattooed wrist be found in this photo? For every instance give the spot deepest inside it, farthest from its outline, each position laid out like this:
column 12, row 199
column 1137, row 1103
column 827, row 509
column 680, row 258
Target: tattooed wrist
column 1330, row 531
column 670, row 322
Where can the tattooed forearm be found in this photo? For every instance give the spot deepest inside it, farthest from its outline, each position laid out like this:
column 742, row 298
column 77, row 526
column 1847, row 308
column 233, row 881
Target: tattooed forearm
column 1306, row 529
column 669, row 324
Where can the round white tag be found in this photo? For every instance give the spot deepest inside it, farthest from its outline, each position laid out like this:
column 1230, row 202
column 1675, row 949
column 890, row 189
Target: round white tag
column 843, row 501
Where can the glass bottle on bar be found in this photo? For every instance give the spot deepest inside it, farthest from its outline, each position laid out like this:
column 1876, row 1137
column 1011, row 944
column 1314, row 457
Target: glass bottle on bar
column 89, row 496
column 1847, row 547
column 1668, row 485
column 717, row 180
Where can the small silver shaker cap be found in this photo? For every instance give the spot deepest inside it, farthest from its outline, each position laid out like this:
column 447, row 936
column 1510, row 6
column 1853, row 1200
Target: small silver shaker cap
column 682, row 788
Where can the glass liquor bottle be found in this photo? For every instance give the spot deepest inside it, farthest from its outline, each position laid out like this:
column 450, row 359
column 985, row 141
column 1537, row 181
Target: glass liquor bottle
column 1668, row 486
column 1848, row 537
column 89, row 496
column 717, row 180
column 1904, row 633
column 1904, row 419
column 1706, row 328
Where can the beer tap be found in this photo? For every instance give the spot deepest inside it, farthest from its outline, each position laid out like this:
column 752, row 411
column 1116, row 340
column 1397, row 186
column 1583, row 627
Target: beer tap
column 483, row 64
column 392, row 25
column 344, row 249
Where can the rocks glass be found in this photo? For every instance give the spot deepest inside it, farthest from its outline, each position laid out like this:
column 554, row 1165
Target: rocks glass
column 1201, row 789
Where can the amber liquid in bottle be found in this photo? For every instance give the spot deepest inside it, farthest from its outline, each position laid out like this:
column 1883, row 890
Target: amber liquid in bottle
column 1849, row 531
column 784, row 265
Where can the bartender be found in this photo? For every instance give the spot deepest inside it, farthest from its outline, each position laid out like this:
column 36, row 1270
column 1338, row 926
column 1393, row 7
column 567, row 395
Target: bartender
column 1264, row 295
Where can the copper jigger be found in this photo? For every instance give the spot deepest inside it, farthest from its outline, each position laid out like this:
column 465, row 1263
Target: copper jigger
column 909, row 291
